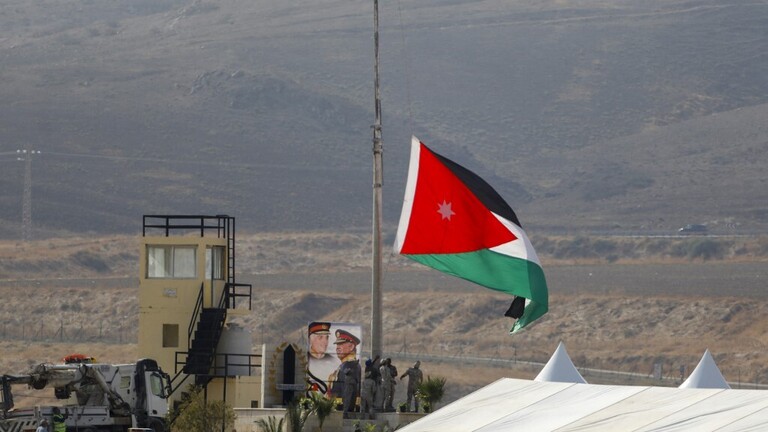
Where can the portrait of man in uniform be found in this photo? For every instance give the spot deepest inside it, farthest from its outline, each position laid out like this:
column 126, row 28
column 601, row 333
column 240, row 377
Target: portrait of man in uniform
column 320, row 363
column 345, row 382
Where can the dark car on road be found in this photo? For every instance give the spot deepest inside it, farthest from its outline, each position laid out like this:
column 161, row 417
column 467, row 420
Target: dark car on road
column 693, row 229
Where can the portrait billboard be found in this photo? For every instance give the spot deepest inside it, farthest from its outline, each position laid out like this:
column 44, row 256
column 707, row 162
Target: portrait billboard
column 333, row 356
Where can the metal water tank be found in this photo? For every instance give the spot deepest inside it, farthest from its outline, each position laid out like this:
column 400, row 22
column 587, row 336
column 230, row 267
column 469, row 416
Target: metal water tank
column 234, row 351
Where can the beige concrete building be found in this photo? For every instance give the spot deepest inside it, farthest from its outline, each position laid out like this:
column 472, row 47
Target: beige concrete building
column 188, row 296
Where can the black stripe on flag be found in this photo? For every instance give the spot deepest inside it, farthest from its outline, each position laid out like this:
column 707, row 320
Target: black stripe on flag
column 482, row 190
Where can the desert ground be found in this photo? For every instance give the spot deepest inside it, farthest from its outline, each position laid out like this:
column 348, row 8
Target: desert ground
column 61, row 296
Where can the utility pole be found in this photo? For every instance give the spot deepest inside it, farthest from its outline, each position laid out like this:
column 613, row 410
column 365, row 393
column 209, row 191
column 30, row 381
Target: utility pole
column 26, row 206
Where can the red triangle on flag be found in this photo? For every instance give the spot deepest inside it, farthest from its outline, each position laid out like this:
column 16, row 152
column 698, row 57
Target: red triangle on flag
column 446, row 217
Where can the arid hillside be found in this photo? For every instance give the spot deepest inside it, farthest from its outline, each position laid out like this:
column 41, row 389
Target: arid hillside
column 642, row 116
column 623, row 313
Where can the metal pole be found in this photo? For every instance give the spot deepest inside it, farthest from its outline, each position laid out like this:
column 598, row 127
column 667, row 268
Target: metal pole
column 376, row 297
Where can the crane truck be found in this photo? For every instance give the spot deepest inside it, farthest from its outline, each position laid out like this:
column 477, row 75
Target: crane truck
column 95, row 397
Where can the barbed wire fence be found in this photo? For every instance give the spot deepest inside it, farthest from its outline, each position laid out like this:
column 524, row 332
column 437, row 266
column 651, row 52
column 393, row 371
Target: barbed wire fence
column 663, row 371
column 41, row 330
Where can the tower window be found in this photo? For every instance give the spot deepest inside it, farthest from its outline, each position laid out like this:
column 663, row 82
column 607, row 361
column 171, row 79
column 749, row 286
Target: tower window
column 171, row 262
column 214, row 263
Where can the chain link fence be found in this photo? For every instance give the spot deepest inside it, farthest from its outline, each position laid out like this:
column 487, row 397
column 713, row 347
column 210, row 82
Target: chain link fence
column 37, row 330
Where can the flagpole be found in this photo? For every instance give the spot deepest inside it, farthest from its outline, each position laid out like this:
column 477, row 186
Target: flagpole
column 376, row 321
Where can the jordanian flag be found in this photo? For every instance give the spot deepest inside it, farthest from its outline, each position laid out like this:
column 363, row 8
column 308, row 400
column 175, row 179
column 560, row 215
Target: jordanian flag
column 455, row 222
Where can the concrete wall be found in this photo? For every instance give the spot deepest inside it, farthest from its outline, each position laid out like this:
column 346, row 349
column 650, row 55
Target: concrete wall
column 246, row 420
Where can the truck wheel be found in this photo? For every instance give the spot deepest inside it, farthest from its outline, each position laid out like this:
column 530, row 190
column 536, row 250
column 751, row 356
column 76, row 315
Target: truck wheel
column 157, row 425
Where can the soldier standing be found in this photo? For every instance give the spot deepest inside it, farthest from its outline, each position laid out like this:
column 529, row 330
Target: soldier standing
column 351, row 386
column 346, row 380
column 366, row 396
column 387, row 384
column 376, row 376
column 415, row 377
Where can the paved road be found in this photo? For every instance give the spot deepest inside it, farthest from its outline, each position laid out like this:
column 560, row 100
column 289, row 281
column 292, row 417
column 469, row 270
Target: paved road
column 702, row 279
column 698, row 279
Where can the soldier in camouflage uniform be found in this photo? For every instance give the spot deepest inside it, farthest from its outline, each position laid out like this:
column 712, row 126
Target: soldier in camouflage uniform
column 415, row 377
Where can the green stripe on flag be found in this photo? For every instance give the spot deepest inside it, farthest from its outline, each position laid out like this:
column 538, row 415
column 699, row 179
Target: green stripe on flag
column 497, row 271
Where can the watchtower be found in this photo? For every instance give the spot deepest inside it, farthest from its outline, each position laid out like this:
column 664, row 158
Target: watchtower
column 188, row 295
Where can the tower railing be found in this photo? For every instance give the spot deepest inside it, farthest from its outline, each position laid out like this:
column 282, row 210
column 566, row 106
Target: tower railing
column 218, row 224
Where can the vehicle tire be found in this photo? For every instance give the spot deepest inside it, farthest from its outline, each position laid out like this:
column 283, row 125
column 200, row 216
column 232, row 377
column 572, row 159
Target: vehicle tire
column 157, row 425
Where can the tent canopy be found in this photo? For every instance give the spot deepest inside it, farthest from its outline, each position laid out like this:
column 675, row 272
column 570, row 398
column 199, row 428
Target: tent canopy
column 560, row 368
column 514, row 404
column 706, row 375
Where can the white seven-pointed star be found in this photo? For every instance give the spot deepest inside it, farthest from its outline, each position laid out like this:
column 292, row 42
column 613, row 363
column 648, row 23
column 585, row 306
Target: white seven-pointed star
column 445, row 210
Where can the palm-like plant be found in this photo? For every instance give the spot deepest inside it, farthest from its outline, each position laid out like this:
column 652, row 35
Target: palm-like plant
column 322, row 407
column 431, row 391
column 270, row 424
column 296, row 417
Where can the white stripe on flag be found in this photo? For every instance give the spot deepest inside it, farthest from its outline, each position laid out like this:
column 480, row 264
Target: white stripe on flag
column 520, row 248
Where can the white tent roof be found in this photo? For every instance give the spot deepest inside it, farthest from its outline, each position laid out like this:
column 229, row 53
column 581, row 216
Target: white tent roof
column 560, row 368
column 513, row 404
column 706, row 375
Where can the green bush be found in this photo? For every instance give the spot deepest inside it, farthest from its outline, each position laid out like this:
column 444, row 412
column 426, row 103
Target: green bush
column 91, row 261
column 270, row 424
column 604, row 247
column 322, row 407
column 297, row 416
column 705, row 249
column 197, row 414
column 680, row 250
column 431, row 391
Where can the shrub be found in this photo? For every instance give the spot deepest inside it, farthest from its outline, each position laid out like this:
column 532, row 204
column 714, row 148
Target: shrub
column 296, row 417
column 91, row 261
column 705, row 249
column 322, row 407
column 197, row 414
column 431, row 391
column 270, row 424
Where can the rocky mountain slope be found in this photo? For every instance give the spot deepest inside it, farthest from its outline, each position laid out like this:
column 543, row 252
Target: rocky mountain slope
column 585, row 116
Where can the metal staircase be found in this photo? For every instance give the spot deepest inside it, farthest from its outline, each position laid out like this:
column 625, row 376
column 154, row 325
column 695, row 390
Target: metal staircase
column 202, row 350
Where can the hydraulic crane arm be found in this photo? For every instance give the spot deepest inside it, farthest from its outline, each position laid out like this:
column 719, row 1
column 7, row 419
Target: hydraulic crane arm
column 60, row 376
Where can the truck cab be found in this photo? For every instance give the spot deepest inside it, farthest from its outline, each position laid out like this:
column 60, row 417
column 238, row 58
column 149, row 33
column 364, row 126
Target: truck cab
column 94, row 397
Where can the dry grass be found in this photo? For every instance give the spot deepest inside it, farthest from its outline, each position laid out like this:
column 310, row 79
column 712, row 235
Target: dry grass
column 611, row 316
